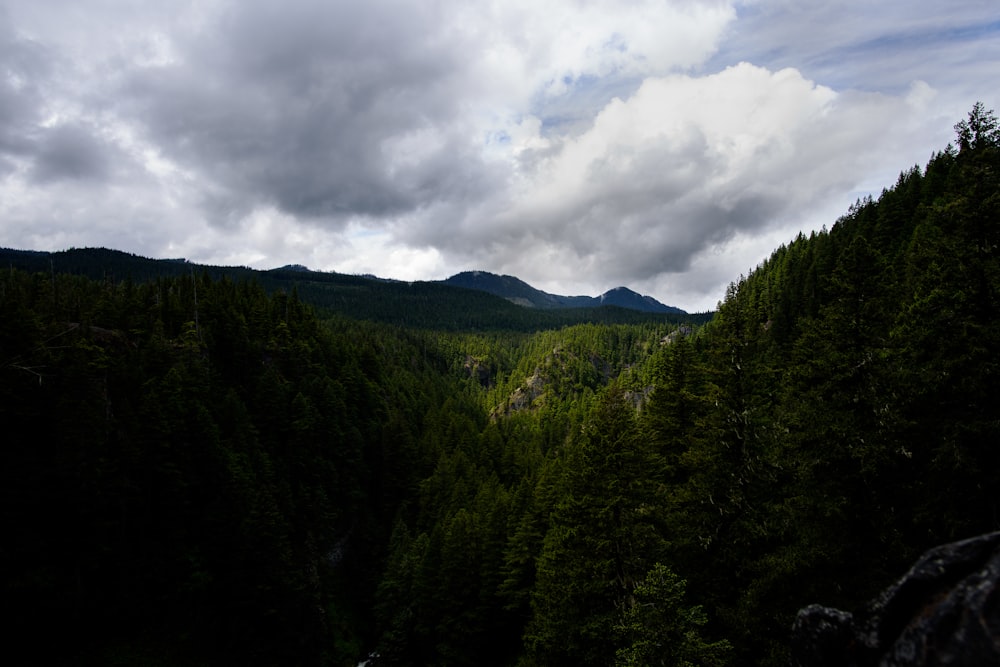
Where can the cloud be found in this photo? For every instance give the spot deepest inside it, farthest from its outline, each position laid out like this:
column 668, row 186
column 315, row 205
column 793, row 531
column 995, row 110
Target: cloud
column 70, row 152
column 578, row 145
column 327, row 111
column 23, row 65
column 335, row 111
column 42, row 136
column 684, row 165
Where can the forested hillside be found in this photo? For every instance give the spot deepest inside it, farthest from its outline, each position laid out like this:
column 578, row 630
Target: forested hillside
column 185, row 460
column 440, row 306
column 200, row 471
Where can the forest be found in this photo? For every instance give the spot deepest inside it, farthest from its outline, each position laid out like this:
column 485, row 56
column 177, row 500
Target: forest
column 207, row 468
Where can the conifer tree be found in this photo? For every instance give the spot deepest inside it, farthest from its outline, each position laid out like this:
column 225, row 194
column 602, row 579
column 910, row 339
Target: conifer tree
column 600, row 541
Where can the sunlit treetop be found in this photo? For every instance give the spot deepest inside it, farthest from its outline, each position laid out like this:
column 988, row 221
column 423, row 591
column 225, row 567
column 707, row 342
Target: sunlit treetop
column 980, row 130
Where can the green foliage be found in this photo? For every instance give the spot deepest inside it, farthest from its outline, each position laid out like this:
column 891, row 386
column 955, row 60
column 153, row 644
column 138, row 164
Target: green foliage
column 600, row 539
column 851, row 389
column 981, row 130
column 209, row 458
column 658, row 628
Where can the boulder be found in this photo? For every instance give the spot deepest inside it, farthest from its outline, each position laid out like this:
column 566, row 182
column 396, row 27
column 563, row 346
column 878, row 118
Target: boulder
column 944, row 611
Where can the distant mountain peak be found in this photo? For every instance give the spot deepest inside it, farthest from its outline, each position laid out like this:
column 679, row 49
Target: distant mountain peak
column 517, row 291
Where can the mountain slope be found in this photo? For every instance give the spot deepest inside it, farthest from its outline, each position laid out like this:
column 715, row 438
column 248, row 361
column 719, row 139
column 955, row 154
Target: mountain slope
column 519, row 292
column 626, row 298
column 424, row 305
column 853, row 374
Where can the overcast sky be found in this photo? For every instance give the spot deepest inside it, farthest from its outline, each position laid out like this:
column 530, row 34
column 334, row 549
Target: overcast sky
column 580, row 145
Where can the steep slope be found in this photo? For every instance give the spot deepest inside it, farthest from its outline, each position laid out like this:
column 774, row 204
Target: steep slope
column 853, row 403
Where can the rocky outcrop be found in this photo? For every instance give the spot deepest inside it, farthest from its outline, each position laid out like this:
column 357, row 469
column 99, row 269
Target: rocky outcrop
column 479, row 370
column 944, row 611
column 523, row 398
column 682, row 331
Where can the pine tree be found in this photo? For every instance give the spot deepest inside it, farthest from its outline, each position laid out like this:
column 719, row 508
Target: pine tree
column 659, row 628
column 600, row 541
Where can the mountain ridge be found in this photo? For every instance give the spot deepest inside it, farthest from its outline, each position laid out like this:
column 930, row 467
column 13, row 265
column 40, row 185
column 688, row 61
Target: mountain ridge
column 418, row 304
column 98, row 262
column 521, row 293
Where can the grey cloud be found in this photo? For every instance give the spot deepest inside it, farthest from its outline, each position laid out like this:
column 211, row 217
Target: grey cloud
column 670, row 244
column 662, row 239
column 67, row 151
column 70, row 152
column 7, row 167
column 628, row 192
column 642, row 212
column 23, row 66
column 298, row 107
column 654, row 247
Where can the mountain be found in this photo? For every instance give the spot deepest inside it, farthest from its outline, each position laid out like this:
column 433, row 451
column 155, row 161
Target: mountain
column 424, row 305
column 517, row 291
column 626, row 298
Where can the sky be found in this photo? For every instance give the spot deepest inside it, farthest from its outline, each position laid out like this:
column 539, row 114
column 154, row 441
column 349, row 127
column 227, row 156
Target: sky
column 668, row 146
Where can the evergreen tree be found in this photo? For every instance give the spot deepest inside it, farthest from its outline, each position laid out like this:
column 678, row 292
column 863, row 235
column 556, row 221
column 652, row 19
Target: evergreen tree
column 659, row 628
column 601, row 539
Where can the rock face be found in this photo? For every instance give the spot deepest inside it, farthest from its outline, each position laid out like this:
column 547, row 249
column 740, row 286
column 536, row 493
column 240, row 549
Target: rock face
column 944, row 611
